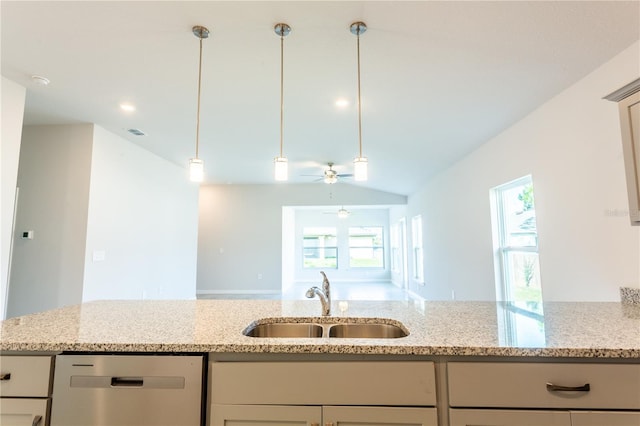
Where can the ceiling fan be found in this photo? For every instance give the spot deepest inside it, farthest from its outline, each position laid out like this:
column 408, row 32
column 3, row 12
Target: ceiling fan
column 341, row 212
column 330, row 176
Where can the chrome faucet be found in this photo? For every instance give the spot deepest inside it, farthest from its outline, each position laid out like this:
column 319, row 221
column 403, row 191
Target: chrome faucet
column 324, row 295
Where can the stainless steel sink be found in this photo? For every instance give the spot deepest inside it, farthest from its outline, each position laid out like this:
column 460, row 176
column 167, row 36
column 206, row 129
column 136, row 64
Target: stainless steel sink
column 284, row 329
column 325, row 327
column 367, row 331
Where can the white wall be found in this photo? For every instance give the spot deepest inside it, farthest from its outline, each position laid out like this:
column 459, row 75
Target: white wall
column 359, row 217
column 53, row 177
column 571, row 146
column 240, row 230
column 143, row 216
column 13, row 97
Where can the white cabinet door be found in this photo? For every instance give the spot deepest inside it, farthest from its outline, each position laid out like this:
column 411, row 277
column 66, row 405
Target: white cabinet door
column 265, row 415
column 609, row 418
column 379, row 416
column 462, row 417
column 630, row 125
column 23, row 412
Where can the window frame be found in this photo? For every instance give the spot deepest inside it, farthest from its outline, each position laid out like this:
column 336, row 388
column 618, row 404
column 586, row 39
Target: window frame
column 374, row 248
column 503, row 249
column 417, row 249
column 335, row 247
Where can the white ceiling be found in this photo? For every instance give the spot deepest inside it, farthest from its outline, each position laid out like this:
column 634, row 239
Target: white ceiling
column 438, row 78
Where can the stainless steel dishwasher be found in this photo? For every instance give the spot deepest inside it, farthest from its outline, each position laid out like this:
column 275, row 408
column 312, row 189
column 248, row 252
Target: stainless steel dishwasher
column 131, row 390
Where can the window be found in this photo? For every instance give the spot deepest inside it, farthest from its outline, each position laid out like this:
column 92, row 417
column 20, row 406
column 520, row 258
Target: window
column 319, row 248
column 416, row 241
column 395, row 247
column 366, row 247
column 517, row 245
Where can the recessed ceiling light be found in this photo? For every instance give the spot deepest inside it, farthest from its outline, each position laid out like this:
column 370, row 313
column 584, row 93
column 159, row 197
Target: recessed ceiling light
column 342, row 103
column 38, row 79
column 127, row 107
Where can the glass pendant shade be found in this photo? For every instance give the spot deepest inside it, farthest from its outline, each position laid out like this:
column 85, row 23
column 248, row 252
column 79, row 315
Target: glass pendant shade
column 360, row 166
column 196, row 170
column 281, row 168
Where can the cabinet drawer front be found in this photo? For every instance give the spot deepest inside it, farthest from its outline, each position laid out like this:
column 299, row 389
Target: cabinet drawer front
column 25, row 375
column 609, row 418
column 323, row 383
column 379, row 416
column 28, row 412
column 524, row 385
column 508, row 417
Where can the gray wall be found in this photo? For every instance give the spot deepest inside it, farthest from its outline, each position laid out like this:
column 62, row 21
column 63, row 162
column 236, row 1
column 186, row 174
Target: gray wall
column 13, row 97
column 240, row 230
column 572, row 147
column 85, row 191
column 53, row 177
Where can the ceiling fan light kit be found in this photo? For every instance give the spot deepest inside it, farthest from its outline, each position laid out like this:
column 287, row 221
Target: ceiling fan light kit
column 360, row 163
column 196, row 165
column 281, row 163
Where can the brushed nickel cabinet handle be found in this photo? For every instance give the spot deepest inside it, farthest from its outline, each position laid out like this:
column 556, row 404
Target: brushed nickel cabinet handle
column 5, row 376
column 36, row 420
column 556, row 388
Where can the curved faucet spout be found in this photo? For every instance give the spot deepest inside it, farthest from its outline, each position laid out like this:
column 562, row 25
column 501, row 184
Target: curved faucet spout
column 324, row 295
column 326, row 305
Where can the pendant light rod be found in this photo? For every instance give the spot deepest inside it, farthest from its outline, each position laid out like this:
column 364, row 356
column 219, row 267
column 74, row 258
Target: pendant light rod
column 202, row 33
column 360, row 163
column 358, row 28
column 282, row 30
column 280, row 162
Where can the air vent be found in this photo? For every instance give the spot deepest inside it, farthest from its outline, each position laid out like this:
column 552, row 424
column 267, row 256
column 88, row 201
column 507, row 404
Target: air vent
column 136, row 132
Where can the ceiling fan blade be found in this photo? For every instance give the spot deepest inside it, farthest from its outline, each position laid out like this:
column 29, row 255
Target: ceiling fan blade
column 345, row 175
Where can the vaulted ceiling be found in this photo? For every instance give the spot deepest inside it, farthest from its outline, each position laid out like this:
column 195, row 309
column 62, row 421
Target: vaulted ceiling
column 438, row 78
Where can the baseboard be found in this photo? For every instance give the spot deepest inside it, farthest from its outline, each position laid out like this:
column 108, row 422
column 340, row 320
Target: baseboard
column 238, row 291
column 416, row 296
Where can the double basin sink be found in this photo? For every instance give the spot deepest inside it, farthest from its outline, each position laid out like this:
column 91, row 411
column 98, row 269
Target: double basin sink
column 353, row 328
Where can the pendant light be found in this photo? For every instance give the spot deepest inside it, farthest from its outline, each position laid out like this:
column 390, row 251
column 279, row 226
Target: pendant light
column 360, row 163
column 196, row 165
column 281, row 165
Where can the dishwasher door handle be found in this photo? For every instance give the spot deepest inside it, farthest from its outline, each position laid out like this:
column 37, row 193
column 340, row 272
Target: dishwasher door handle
column 129, row 382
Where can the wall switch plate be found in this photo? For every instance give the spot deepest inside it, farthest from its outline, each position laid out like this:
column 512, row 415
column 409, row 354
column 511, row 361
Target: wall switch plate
column 99, row 255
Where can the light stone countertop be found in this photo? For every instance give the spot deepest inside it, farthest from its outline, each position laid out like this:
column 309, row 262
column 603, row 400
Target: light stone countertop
column 580, row 329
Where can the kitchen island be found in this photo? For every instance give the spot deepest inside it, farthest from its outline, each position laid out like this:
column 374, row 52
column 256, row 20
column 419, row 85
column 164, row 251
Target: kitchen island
column 462, row 362
column 584, row 330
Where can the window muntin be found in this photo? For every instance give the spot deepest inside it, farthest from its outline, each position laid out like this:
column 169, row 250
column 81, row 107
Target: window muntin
column 417, row 251
column 519, row 282
column 366, row 247
column 319, row 248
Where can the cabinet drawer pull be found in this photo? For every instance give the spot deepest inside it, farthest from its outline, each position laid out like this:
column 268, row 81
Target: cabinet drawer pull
column 127, row 381
column 328, row 424
column 315, row 424
column 5, row 376
column 36, row 420
column 556, row 388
